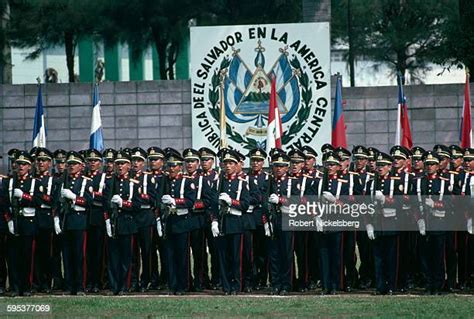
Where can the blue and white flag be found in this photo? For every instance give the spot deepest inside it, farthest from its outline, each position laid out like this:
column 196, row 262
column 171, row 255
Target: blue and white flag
column 39, row 126
column 96, row 138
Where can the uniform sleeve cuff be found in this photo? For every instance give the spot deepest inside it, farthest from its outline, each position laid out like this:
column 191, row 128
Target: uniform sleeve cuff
column 47, row 198
column 199, row 205
column 127, row 204
column 438, row 204
column 282, row 200
column 235, row 203
column 7, row 217
column 145, row 196
column 96, row 194
column 81, row 201
column 179, row 201
column 27, row 197
column 106, row 215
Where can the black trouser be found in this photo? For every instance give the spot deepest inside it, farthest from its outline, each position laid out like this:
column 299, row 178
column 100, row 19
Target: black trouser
column 3, row 258
column 74, row 259
column 212, row 245
column 144, row 238
column 200, row 268
column 229, row 249
column 421, row 246
column 21, row 250
column 463, row 257
column 159, row 275
column 96, row 256
column 330, row 259
column 178, row 261
column 260, row 256
column 385, row 257
column 313, row 258
column 451, row 259
column 349, row 259
column 302, row 258
column 281, row 259
column 435, row 246
column 366, row 256
column 56, row 261
column 248, row 268
column 120, row 259
column 408, row 257
column 44, row 258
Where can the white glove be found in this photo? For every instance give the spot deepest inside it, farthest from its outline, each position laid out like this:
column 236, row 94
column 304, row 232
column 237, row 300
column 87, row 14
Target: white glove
column 268, row 227
column 168, row 200
column 421, row 226
column 273, row 199
column 215, row 228
column 11, row 227
column 116, row 199
column 469, row 226
column 429, row 202
column 67, row 193
column 57, row 228
column 319, row 224
column 226, row 198
column 380, row 197
column 18, row 193
column 329, row 197
column 159, row 229
column 108, row 227
column 370, row 231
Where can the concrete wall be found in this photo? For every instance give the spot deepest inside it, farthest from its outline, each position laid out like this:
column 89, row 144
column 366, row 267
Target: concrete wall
column 159, row 113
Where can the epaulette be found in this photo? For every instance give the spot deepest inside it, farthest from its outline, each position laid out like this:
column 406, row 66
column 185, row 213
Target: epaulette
column 354, row 173
column 291, row 177
column 342, row 180
column 395, row 177
column 307, row 175
column 134, row 181
column 454, row 172
column 187, row 176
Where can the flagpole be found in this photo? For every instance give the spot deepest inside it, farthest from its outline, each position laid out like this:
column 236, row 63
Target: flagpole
column 222, row 122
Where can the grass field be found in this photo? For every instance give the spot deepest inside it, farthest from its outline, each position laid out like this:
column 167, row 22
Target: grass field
column 251, row 306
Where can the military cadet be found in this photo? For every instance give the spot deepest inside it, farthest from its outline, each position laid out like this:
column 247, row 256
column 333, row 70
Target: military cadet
column 373, row 152
column 227, row 226
column 208, row 158
column 59, row 168
column 96, row 231
column 258, row 184
column 433, row 189
column 156, row 158
column 202, row 202
column 454, row 187
column 176, row 222
column 71, row 219
column 3, row 232
column 382, row 226
column 145, row 215
column 25, row 199
column 280, row 242
column 360, row 155
column 349, row 258
column 44, row 217
column 120, row 200
column 417, row 163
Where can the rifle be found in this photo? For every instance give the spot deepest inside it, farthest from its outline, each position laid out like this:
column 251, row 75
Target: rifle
column 65, row 204
column 165, row 210
column 114, row 207
column 272, row 209
column 223, row 207
column 15, row 202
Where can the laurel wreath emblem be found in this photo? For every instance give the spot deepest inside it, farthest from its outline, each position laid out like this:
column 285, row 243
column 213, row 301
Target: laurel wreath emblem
column 295, row 127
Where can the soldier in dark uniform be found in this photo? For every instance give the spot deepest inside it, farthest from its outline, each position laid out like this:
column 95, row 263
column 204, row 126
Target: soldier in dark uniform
column 227, row 226
column 25, row 199
column 179, row 197
column 418, row 168
column 454, row 186
column 156, row 158
column 383, row 224
column 72, row 211
column 96, row 231
column 434, row 188
column 366, row 257
column 44, row 217
column 3, row 232
column 373, row 152
column 258, row 184
column 145, row 215
column 59, row 168
column 120, row 200
column 280, row 244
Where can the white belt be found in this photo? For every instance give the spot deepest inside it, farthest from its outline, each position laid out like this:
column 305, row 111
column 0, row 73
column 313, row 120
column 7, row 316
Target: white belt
column 438, row 213
column 389, row 212
column 235, row 212
column 406, row 207
column 181, row 212
column 78, row 208
column 250, row 210
column 28, row 211
column 285, row 209
column 145, row 206
column 99, row 204
column 45, row 206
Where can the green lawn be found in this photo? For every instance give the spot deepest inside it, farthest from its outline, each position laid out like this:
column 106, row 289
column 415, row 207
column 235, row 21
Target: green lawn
column 252, row 306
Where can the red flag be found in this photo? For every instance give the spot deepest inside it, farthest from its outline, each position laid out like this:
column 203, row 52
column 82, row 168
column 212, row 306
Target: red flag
column 466, row 129
column 274, row 130
column 338, row 125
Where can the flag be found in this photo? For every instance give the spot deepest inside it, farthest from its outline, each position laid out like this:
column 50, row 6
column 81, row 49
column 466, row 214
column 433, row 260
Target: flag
column 403, row 132
column 39, row 126
column 274, row 130
column 338, row 124
column 465, row 134
column 96, row 137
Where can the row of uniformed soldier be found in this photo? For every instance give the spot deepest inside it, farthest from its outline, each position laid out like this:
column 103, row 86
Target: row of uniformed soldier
column 114, row 222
